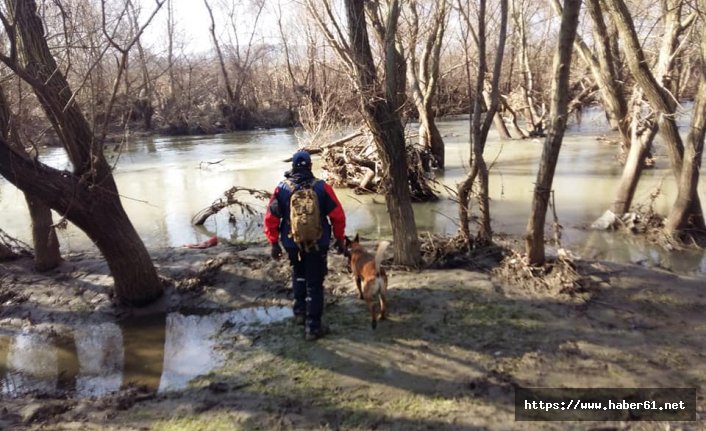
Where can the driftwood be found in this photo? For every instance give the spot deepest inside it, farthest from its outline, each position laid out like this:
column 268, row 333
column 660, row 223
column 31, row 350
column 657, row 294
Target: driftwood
column 316, row 149
column 209, row 163
column 231, row 197
column 353, row 162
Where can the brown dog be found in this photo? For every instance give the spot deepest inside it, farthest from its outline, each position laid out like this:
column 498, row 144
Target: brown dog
column 370, row 278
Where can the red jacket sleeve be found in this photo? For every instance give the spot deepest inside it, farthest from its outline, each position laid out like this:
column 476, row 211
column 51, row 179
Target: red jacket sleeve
column 272, row 219
column 337, row 216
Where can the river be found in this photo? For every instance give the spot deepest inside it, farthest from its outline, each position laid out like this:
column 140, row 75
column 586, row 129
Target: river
column 164, row 181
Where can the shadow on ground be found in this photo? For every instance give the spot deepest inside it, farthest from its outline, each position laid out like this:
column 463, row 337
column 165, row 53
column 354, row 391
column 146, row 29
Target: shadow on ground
column 455, row 346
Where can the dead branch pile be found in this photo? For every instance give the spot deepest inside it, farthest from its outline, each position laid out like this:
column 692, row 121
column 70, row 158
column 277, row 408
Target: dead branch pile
column 645, row 219
column 559, row 276
column 353, row 162
column 445, row 251
column 232, row 197
column 12, row 248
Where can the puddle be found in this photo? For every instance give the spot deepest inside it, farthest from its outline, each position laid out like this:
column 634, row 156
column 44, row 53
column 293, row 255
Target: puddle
column 161, row 352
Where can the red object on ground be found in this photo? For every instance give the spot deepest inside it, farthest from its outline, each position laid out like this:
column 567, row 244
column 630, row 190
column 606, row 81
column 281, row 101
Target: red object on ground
column 204, row 244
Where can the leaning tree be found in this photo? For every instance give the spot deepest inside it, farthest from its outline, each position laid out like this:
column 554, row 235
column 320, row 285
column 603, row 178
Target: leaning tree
column 534, row 237
column 87, row 195
column 686, row 216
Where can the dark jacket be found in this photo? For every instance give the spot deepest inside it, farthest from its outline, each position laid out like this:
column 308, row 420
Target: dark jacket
column 277, row 223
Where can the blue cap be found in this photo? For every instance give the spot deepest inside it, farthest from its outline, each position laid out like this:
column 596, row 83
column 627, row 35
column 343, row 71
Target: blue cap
column 301, row 159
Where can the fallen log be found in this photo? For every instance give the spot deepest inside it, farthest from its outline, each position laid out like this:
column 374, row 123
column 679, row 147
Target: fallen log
column 229, row 199
column 320, row 148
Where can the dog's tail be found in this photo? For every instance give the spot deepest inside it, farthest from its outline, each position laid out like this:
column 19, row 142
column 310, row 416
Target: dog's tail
column 380, row 253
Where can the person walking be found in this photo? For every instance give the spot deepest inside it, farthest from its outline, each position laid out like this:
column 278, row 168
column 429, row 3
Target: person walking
column 303, row 213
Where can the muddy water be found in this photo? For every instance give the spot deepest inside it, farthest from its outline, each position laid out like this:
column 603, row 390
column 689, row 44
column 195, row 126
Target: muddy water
column 165, row 181
column 162, row 352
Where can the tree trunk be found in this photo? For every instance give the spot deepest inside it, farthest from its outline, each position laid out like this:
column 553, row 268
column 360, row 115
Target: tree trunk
column 479, row 130
column 640, row 147
column 423, row 76
column 88, row 196
column 430, row 138
column 464, row 201
column 643, row 140
column 382, row 116
column 659, row 98
column 478, row 165
column 497, row 119
column 534, row 238
column 533, row 121
column 606, row 75
column 46, row 244
column 170, row 49
column 682, row 222
column 231, row 110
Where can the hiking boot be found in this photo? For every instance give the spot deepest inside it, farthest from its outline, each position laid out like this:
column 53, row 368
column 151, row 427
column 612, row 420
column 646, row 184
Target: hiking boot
column 299, row 320
column 315, row 334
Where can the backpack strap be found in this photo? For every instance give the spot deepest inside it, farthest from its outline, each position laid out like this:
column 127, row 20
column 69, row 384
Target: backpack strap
column 289, row 183
column 294, row 186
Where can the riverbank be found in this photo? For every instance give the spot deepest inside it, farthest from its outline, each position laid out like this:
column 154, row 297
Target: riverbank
column 456, row 344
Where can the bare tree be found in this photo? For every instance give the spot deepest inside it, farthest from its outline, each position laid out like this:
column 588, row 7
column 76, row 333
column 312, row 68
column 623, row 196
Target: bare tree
column 663, row 102
column 380, row 106
column 170, row 47
column 681, row 222
column 87, row 196
column 423, row 72
column 143, row 105
column 534, row 121
column 603, row 69
column 534, row 238
column 124, row 50
column 643, row 130
column 479, row 130
column 316, row 113
column 236, row 79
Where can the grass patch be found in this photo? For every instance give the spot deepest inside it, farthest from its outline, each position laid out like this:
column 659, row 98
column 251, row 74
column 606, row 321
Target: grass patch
column 212, row 421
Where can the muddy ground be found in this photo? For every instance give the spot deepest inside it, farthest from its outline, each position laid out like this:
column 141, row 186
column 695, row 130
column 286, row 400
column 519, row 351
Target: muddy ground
column 456, row 344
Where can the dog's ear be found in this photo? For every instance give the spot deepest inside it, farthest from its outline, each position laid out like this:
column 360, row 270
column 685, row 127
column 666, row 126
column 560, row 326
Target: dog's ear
column 346, row 241
column 356, row 239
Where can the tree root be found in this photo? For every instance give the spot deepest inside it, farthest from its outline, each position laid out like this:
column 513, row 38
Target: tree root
column 559, row 276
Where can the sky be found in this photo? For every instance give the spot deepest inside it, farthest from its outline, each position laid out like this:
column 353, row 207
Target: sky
column 193, row 22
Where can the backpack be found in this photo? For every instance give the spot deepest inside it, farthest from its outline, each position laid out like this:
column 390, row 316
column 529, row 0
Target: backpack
column 304, row 216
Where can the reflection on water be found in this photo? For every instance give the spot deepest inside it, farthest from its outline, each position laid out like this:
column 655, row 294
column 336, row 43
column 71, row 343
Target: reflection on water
column 164, row 182
column 161, row 352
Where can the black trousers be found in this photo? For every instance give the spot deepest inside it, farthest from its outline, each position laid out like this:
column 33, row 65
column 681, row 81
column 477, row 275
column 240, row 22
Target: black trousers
column 308, row 273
